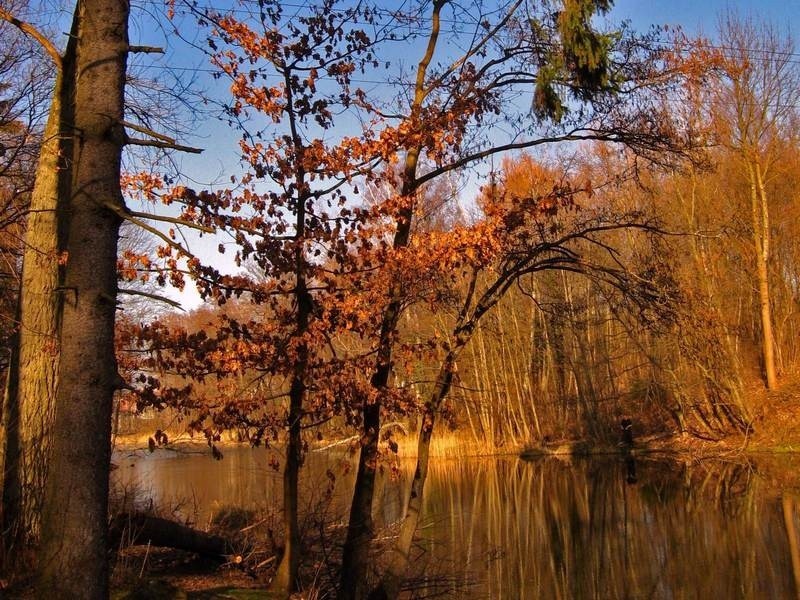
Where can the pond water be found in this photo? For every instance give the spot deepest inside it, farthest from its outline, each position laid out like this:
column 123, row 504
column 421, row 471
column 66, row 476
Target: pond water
column 547, row 528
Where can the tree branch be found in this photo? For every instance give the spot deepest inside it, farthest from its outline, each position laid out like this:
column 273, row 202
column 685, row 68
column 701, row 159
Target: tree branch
column 160, row 144
column 146, row 49
column 575, row 136
column 477, row 47
column 30, row 30
column 124, row 213
column 148, row 131
column 166, row 219
column 157, row 297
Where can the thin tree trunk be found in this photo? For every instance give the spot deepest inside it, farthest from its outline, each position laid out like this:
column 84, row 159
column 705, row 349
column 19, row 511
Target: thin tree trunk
column 286, row 578
column 285, row 581
column 74, row 550
column 355, row 555
column 762, row 247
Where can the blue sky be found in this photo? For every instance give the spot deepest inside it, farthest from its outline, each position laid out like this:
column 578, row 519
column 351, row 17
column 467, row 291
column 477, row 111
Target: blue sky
column 700, row 16
column 694, row 16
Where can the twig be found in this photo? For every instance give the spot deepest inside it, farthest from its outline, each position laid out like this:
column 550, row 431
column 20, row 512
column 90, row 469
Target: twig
column 160, row 144
column 337, row 443
column 264, row 563
column 146, row 49
column 159, row 298
column 254, row 525
column 144, row 562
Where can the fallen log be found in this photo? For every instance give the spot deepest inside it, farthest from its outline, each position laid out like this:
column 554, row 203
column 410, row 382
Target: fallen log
column 137, row 529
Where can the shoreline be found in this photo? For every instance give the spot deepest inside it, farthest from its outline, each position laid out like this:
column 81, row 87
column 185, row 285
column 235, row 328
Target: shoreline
column 452, row 447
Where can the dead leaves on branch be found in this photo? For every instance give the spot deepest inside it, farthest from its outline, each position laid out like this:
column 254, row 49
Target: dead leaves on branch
column 301, row 214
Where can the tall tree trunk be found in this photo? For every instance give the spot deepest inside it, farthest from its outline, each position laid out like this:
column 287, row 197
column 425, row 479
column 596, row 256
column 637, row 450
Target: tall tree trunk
column 758, row 196
column 285, row 581
column 355, row 555
column 29, row 403
column 74, row 550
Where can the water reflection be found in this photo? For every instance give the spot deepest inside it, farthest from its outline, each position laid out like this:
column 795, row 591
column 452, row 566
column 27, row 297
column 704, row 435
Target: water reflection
column 589, row 528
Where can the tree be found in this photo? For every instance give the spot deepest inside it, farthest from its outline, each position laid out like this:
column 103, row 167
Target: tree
column 360, row 264
column 56, row 199
column 757, row 104
column 32, row 377
column 293, row 235
column 562, row 60
column 74, row 548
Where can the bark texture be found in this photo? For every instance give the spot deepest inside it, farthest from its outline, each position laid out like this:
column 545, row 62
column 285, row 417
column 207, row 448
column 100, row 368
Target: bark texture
column 74, row 550
column 30, row 402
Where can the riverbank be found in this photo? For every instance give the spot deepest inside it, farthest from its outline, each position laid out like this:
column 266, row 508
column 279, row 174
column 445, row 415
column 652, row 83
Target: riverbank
column 775, row 427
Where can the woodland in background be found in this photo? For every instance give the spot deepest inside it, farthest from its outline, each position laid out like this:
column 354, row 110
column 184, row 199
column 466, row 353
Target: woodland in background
column 629, row 252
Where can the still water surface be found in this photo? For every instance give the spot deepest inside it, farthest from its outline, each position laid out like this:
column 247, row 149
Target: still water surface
column 548, row 528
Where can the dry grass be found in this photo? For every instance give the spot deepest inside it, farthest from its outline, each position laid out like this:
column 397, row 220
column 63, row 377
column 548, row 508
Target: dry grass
column 452, row 444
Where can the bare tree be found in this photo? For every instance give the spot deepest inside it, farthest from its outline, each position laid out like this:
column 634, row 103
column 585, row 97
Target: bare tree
column 756, row 106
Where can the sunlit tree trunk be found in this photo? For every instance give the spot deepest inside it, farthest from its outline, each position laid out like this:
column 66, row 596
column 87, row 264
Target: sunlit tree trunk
column 757, row 107
column 30, row 397
column 74, row 550
column 761, row 241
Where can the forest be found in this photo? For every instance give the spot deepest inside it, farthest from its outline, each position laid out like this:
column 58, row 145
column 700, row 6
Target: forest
column 444, row 229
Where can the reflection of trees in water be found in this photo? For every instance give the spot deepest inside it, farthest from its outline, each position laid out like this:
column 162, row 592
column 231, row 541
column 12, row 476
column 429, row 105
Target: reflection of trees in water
column 509, row 529
column 703, row 530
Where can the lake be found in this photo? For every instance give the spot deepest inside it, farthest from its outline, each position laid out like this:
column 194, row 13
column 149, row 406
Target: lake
column 508, row 528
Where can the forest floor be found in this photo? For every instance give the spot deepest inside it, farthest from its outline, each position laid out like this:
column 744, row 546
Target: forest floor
column 143, row 573
column 150, row 573
column 777, row 418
